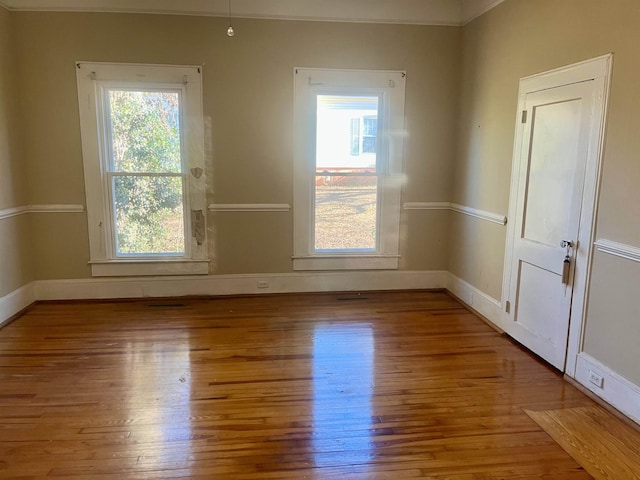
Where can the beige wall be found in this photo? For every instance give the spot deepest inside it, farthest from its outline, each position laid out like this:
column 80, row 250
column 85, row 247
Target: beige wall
column 15, row 265
column 248, row 82
column 11, row 185
column 523, row 37
column 613, row 325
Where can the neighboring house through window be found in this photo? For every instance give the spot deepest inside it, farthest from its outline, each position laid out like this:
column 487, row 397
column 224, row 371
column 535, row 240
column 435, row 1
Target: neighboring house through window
column 142, row 141
column 367, row 140
column 347, row 168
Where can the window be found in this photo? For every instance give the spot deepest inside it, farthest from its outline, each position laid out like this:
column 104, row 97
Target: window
column 355, row 136
column 142, row 141
column 368, row 141
column 370, row 134
column 347, row 168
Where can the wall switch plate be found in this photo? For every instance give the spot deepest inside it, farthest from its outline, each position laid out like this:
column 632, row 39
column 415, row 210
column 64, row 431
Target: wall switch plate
column 596, row 379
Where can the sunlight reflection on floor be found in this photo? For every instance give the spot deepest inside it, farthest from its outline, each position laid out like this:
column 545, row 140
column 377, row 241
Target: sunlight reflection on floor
column 343, row 369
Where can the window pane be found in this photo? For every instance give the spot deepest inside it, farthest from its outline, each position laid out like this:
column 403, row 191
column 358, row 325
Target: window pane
column 145, row 131
column 346, row 213
column 371, row 126
column 149, row 215
column 355, row 136
column 368, row 144
column 370, row 135
column 346, row 133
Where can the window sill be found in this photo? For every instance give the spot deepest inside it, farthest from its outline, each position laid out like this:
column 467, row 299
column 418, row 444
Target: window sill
column 346, row 262
column 137, row 267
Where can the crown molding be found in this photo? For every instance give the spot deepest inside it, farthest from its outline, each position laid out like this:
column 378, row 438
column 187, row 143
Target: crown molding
column 472, row 9
column 414, row 12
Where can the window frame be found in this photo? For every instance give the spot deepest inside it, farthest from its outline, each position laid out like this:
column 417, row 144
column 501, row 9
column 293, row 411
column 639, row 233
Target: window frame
column 95, row 80
column 390, row 87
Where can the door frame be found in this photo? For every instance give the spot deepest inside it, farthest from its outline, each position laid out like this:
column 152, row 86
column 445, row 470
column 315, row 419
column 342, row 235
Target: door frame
column 598, row 70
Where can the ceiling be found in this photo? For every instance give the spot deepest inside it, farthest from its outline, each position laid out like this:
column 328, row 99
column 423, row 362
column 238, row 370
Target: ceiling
column 417, row 12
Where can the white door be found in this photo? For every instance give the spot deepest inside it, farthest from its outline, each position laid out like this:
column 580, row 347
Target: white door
column 548, row 185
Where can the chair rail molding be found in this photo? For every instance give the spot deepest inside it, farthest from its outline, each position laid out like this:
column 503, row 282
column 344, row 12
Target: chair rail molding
column 628, row 252
column 48, row 208
column 426, row 205
column 455, row 207
column 249, row 207
column 13, row 212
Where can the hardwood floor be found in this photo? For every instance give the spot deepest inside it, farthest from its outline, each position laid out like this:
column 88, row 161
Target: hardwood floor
column 605, row 446
column 324, row 386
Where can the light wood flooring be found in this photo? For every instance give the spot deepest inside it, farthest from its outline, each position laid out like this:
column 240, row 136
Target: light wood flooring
column 394, row 385
column 604, row 445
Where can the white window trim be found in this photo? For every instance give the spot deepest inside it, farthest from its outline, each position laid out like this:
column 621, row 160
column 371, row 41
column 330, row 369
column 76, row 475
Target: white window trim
column 308, row 82
column 91, row 77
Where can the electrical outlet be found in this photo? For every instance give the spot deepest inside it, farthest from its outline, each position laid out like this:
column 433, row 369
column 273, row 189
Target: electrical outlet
column 263, row 284
column 596, row 379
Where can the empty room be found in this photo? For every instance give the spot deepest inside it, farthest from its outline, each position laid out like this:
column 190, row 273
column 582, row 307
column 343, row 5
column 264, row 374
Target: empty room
column 349, row 239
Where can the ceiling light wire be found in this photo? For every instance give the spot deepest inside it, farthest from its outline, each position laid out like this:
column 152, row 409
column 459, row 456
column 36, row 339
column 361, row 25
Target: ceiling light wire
column 230, row 31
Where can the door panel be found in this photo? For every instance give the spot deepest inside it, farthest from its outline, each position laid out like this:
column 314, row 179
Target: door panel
column 540, row 321
column 552, row 167
column 551, row 170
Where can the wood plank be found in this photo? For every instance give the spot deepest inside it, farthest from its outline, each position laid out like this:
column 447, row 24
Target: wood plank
column 606, row 447
column 393, row 385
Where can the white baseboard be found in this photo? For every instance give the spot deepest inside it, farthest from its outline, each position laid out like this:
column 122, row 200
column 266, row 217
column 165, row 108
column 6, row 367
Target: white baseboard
column 16, row 301
column 616, row 390
column 485, row 305
column 105, row 288
column 141, row 287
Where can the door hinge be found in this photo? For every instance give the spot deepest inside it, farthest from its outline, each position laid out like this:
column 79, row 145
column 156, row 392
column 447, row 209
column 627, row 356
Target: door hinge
column 524, row 116
column 507, row 306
